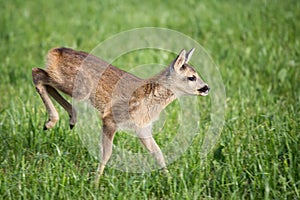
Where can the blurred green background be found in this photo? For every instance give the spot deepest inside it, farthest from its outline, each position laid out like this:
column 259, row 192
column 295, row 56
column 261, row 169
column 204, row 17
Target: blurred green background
column 256, row 45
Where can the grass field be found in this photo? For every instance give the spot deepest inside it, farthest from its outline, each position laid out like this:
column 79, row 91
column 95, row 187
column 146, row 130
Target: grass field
column 256, row 45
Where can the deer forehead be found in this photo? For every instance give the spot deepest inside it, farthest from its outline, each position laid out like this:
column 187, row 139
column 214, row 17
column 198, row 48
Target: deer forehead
column 187, row 70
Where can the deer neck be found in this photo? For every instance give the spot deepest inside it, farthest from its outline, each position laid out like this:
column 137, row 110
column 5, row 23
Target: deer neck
column 160, row 88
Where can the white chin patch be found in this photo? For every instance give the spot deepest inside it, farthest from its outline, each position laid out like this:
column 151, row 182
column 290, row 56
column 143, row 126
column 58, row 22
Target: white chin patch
column 204, row 93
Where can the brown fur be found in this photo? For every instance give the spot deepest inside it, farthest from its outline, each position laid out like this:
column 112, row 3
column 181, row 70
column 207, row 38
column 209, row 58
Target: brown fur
column 124, row 100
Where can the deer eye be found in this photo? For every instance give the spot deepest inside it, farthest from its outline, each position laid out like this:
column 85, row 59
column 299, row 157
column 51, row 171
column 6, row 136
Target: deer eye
column 192, row 78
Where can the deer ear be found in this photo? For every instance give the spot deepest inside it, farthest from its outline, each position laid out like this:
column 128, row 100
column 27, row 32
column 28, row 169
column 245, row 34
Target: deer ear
column 189, row 55
column 179, row 61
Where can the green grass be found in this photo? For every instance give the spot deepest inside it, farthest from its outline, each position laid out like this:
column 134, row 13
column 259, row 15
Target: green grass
column 256, row 45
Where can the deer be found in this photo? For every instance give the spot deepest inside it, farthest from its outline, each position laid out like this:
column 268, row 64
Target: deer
column 122, row 99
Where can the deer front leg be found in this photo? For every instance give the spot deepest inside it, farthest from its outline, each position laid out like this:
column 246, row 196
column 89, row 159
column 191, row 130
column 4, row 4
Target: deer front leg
column 40, row 79
column 148, row 141
column 106, row 146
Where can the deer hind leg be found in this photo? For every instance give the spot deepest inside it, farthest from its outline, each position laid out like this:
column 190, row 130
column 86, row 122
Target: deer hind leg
column 65, row 104
column 40, row 79
column 108, row 133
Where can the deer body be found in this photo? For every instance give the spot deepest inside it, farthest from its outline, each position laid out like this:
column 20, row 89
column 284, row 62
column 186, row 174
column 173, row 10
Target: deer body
column 123, row 100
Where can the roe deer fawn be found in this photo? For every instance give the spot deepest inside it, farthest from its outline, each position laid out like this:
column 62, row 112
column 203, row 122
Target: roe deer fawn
column 122, row 99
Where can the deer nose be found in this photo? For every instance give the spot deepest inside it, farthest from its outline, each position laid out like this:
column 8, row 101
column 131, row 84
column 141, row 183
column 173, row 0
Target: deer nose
column 204, row 89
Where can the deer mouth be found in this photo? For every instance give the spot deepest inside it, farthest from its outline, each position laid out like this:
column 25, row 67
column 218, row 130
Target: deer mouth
column 204, row 90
